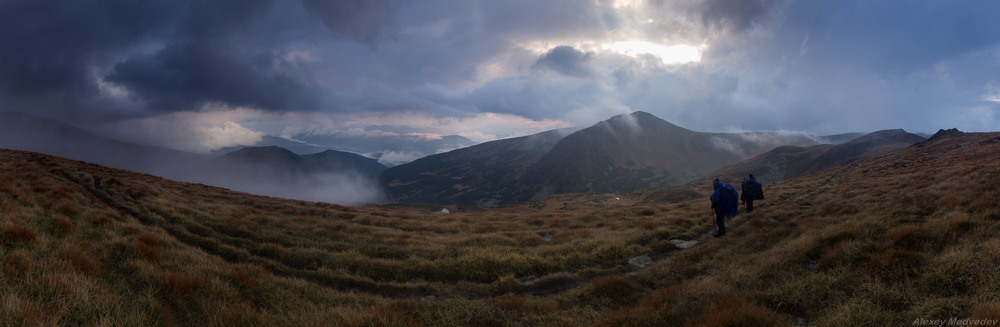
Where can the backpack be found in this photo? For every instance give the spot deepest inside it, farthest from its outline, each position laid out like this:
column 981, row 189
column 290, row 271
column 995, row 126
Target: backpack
column 756, row 189
column 729, row 199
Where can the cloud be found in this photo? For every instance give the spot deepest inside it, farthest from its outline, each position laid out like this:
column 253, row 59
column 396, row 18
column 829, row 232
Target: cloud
column 345, row 189
column 189, row 131
column 404, row 132
column 565, row 60
column 734, row 16
column 727, row 145
column 362, row 20
column 821, row 67
column 184, row 77
column 395, row 158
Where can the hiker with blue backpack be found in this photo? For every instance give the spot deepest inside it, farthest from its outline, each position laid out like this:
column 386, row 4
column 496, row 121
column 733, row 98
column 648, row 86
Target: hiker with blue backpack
column 725, row 202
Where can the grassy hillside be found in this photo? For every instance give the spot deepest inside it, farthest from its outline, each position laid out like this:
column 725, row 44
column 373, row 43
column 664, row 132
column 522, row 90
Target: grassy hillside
column 910, row 235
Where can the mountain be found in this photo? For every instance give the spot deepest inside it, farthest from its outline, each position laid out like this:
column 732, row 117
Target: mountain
column 877, row 242
column 331, row 176
column 620, row 154
column 639, row 150
column 838, row 138
column 297, row 147
column 483, row 174
column 795, row 161
column 276, row 162
column 387, row 148
column 21, row 131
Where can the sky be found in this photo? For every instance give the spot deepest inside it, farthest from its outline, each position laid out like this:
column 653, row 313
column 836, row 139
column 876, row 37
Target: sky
column 404, row 79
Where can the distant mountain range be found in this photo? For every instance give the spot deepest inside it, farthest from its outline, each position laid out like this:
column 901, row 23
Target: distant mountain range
column 485, row 174
column 297, row 147
column 622, row 154
column 276, row 162
column 20, row 131
column 794, row 161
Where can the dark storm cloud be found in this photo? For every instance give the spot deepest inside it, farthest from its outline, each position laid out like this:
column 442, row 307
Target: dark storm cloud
column 362, row 20
column 49, row 47
column 220, row 19
column 61, row 57
column 216, row 55
column 182, row 76
column 566, row 60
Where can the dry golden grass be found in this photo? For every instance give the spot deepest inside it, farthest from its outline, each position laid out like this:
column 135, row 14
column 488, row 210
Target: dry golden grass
column 880, row 242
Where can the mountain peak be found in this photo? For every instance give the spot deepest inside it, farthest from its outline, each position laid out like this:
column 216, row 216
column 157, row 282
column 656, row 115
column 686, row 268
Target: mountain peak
column 947, row 132
column 640, row 121
column 887, row 136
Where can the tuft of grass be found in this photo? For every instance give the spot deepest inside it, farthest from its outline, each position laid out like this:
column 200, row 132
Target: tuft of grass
column 14, row 233
column 990, row 310
column 18, row 262
column 509, row 302
column 62, row 225
column 148, row 245
column 618, row 289
column 736, row 310
column 183, row 286
column 100, row 219
column 68, row 209
column 81, row 260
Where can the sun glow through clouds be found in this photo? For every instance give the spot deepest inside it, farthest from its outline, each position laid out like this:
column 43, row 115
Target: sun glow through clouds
column 670, row 55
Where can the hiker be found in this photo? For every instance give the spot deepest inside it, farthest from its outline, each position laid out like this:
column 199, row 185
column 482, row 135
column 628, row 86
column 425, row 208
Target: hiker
column 725, row 202
column 752, row 190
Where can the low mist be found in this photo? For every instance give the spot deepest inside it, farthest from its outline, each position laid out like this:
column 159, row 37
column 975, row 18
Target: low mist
column 30, row 133
column 347, row 188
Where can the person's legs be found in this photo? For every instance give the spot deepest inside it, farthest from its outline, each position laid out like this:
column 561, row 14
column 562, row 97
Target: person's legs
column 750, row 206
column 720, row 222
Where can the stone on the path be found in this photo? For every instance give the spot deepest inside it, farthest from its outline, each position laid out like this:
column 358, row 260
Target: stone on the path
column 640, row 261
column 684, row 245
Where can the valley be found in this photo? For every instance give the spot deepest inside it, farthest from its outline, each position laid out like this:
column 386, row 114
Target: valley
column 892, row 238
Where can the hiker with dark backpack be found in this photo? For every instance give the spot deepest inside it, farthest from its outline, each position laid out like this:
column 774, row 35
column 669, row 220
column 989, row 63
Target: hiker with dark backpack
column 752, row 190
column 725, row 203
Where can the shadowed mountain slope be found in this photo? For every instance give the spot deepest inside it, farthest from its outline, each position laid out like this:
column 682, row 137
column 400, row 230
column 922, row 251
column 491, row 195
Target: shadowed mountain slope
column 329, row 176
column 297, row 147
column 795, row 161
column 639, row 150
column 277, row 162
column 624, row 153
column 482, row 174
column 20, row 131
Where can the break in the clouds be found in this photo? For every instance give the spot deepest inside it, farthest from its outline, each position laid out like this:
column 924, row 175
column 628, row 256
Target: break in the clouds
column 410, row 78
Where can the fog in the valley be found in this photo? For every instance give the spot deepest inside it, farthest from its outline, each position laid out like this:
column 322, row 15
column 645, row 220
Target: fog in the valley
column 29, row 133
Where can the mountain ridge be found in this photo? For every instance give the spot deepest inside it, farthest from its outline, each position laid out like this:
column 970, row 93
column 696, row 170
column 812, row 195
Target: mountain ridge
column 620, row 154
column 795, row 161
column 302, row 178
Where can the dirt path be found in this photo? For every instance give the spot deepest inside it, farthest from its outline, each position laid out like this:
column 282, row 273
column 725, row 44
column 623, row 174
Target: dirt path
column 656, row 257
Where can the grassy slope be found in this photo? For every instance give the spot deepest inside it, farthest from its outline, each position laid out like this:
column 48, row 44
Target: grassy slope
column 891, row 239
